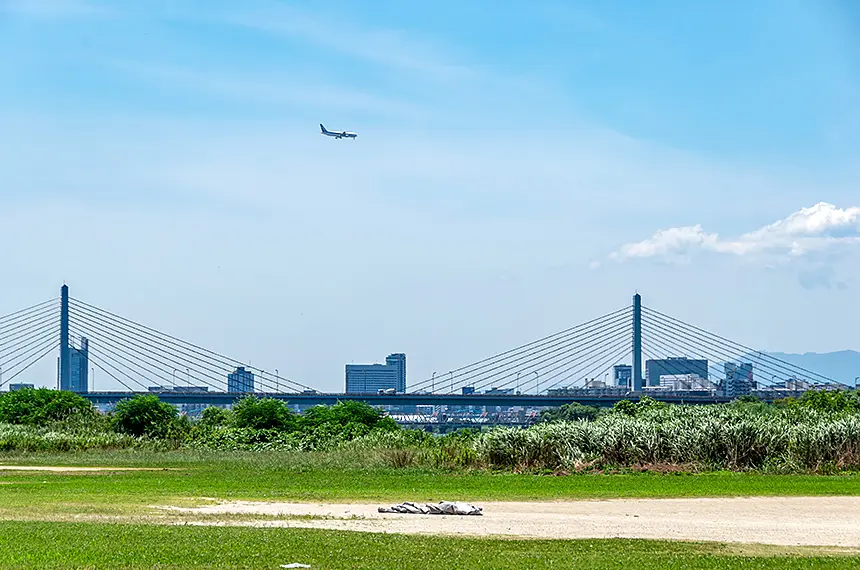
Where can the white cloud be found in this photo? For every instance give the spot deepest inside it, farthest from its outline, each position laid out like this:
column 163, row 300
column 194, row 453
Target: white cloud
column 818, row 229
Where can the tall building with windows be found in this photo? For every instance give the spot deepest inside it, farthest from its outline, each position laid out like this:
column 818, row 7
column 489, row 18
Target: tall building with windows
column 79, row 359
column 398, row 361
column 673, row 366
column 240, row 380
column 622, row 375
column 369, row 378
column 739, row 379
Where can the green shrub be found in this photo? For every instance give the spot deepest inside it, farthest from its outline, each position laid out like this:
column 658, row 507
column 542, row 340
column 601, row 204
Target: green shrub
column 830, row 401
column 41, row 406
column 344, row 413
column 213, row 416
column 569, row 413
column 263, row 414
column 144, row 415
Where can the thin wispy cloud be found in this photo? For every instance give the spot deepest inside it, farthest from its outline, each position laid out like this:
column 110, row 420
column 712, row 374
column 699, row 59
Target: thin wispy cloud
column 275, row 90
column 818, row 229
column 399, row 49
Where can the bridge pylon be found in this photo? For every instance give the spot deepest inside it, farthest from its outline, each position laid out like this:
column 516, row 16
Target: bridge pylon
column 637, row 342
column 65, row 354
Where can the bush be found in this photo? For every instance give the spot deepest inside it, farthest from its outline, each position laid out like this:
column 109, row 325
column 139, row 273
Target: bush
column 345, row 413
column 144, row 415
column 569, row 413
column 263, row 413
column 213, row 416
column 41, row 406
column 830, row 401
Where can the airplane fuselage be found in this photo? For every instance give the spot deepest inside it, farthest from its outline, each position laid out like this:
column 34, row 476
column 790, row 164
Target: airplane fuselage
column 337, row 134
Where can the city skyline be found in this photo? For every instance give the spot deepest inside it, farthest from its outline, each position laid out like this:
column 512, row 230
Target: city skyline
column 518, row 171
column 674, row 365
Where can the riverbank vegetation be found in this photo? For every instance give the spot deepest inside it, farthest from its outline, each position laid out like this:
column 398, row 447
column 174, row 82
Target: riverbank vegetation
column 818, row 433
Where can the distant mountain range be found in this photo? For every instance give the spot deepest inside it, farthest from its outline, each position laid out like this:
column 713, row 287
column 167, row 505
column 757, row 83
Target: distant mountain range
column 842, row 366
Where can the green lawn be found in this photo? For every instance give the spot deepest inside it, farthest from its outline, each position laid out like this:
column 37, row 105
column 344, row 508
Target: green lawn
column 126, row 546
column 37, row 511
column 304, row 477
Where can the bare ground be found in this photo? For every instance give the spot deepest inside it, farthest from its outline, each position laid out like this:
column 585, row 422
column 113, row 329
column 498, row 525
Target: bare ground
column 783, row 521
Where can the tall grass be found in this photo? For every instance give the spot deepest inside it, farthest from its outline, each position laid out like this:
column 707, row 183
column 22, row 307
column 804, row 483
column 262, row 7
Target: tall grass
column 706, row 437
column 61, row 438
column 721, row 437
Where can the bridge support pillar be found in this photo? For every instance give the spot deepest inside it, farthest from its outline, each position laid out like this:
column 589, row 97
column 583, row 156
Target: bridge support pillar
column 65, row 356
column 637, row 342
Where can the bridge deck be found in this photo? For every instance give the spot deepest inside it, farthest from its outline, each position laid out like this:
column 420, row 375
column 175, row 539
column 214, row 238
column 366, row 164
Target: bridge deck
column 502, row 400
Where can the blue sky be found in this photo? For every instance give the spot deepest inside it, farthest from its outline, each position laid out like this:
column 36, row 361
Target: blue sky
column 521, row 167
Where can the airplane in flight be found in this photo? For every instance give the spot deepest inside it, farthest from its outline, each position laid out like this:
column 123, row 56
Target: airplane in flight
column 337, row 134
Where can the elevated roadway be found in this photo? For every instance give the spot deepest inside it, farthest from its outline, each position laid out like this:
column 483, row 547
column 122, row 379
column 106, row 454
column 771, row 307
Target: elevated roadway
column 501, row 400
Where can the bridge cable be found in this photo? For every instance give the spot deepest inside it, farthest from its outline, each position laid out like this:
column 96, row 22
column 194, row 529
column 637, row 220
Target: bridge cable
column 10, row 342
column 27, row 320
column 596, row 340
column 766, row 356
column 96, row 353
column 770, row 362
column 604, row 366
column 510, row 368
column 34, row 308
column 50, row 348
column 527, row 349
column 110, row 351
column 565, row 375
column 761, row 371
column 97, row 362
column 674, row 335
column 772, row 365
column 116, row 342
column 127, row 324
column 11, row 364
column 119, row 341
column 211, row 355
column 24, row 351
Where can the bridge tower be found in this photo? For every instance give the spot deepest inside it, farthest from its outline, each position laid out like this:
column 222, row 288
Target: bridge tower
column 65, row 353
column 637, row 342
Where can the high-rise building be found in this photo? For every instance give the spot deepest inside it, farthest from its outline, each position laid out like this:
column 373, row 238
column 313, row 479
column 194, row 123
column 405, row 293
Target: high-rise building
column 622, row 374
column 674, row 365
column 739, row 379
column 79, row 366
column 240, row 380
column 368, row 378
column 398, row 361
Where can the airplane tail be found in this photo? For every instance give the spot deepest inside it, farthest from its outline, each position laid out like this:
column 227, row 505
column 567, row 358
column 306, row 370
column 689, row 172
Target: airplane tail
column 322, row 128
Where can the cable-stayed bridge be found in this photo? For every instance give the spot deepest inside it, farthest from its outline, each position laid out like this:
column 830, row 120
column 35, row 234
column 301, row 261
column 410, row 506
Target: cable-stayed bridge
column 625, row 354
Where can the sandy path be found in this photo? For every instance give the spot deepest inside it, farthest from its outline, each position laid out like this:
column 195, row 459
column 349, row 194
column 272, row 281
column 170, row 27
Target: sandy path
column 64, row 469
column 787, row 521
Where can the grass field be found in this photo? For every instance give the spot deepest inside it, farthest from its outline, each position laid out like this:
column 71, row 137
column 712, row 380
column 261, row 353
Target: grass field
column 38, row 511
column 323, row 477
column 87, row 545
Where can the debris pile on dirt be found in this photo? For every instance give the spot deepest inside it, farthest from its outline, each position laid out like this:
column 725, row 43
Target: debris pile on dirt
column 443, row 508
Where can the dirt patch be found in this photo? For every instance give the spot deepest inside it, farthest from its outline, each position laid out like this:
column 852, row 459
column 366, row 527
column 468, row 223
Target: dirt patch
column 783, row 521
column 67, row 469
